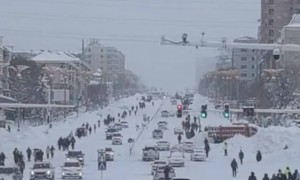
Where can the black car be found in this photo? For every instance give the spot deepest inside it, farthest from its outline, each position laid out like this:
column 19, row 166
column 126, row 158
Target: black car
column 11, row 173
column 80, row 132
column 76, row 155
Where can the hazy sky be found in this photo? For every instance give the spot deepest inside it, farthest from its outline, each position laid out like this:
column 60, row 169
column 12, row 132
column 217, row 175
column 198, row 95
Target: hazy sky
column 134, row 27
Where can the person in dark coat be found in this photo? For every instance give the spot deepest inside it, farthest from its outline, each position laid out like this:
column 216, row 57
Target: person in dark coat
column 166, row 172
column 274, row 177
column 258, row 156
column 296, row 175
column 52, row 149
column 29, row 152
column 280, row 175
column 234, row 167
column 95, row 127
column 266, row 177
column 73, row 142
column 241, row 156
column 22, row 166
column 179, row 138
column 59, row 143
column 207, row 149
column 90, row 130
column 252, row 176
column 99, row 124
column 2, row 159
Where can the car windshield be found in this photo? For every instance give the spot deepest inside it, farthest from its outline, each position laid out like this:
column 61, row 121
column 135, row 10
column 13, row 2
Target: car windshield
column 149, row 148
column 157, row 131
column 108, row 149
column 162, row 142
column 160, row 162
column 71, row 164
column 74, row 153
column 41, row 166
column 111, row 130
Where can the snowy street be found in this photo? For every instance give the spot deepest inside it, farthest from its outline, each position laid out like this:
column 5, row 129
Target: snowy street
column 270, row 141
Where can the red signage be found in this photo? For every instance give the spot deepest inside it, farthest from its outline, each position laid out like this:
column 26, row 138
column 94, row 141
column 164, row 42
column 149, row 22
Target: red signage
column 179, row 107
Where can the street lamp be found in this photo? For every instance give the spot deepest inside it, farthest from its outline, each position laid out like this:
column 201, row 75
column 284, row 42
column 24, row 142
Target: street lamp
column 19, row 76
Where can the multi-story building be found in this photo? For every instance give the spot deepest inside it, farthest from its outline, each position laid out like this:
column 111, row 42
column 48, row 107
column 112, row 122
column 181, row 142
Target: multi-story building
column 274, row 15
column 110, row 60
column 244, row 60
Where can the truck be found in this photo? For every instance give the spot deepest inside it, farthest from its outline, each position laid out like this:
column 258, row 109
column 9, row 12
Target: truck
column 220, row 133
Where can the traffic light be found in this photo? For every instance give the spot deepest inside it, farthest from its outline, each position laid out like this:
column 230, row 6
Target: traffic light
column 226, row 111
column 179, row 111
column 203, row 111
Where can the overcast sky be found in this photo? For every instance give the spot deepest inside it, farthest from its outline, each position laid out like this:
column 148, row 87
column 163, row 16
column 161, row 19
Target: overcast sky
column 134, row 27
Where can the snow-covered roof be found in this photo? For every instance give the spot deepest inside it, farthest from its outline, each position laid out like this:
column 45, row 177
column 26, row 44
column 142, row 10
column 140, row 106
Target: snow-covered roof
column 245, row 38
column 295, row 22
column 50, row 56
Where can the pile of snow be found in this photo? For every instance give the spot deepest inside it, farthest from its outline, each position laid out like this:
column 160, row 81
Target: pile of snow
column 268, row 140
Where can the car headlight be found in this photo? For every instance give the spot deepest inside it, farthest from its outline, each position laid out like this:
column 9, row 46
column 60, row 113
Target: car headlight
column 32, row 172
column 48, row 172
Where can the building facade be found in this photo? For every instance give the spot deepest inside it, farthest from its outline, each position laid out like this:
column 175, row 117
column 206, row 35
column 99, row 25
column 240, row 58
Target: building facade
column 274, row 15
column 110, row 60
column 244, row 60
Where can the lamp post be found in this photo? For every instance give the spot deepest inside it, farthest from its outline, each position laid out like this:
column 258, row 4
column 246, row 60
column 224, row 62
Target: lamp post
column 19, row 76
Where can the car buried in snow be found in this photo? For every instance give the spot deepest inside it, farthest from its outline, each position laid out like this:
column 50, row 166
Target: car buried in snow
column 176, row 159
column 156, row 164
column 163, row 145
column 188, row 146
column 150, row 153
column 178, row 131
column 109, row 132
column 117, row 141
column 42, row 170
column 109, row 154
column 71, row 169
column 164, row 114
column 159, row 173
column 162, row 125
column 10, row 173
column 76, row 155
column 124, row 124
column 198, row 155
column 157, row 134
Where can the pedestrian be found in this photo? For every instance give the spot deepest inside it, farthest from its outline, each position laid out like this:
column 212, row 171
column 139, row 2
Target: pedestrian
column 274, row 177
column 207, row 149
column 241, row 156
column 266, row 177
column 179, row 138
column 73, row 143
column 234, row 167
column 280, row 175
column 52, row 149
column 90, row 130
column 8, row 128
column 48, row 152
column 29, row 152
column 2, row 159
column 95, row 127
column 225, row 149
column 22, row 166
column 287, row 172
column 59, row 143
column 252, row 176
column 296, row 175
column 98, row 123
column 166, row 172
column 258, row 156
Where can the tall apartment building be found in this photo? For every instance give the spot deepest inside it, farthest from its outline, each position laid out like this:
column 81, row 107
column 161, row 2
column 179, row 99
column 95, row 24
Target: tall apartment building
column 110, row 60
column 244, row 60
column 274, row 15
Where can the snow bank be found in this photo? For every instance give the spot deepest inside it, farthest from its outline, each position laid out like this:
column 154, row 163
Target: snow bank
column 268, row 140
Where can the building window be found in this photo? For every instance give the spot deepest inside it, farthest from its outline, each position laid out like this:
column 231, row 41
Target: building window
column 271, row 32
column 253, row 66
column 243, row 66
column 243, row 75
column 244, row 58
column 271, row 22
column 243, row 50
column 271, row 12
column 271, row 1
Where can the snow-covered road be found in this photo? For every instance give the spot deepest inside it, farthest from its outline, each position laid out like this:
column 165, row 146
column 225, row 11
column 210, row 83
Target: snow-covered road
column 270, row 141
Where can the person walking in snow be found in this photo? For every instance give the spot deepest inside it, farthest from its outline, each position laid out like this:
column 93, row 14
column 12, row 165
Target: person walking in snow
column 179, row 138
column 241, row 156
column 95, row 127
column 252, row 176
column 29, row 152
column 2, row 159
column 52, row 149
column 98, row 123
column 59, row 143
column 234, row 167
column 90, row 130
column 274, row 177
column 266, row 177
column 73, row 143
column 280, row 175
column 207, row 149
column 287, row 172
column 296, row 175
column 48, row 152
column 258, row 156
column 225, row 149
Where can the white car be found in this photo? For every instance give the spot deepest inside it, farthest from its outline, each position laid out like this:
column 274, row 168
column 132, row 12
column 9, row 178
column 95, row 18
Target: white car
column 162, row 125
column 71, row 169
column 188, row 146
column 124, row 124
column 150, row 153
column 159, row 173
column 198, row 155
column 164, row 114
column 117, row 141
column 157, row 134
column 178, row 131
column 156, row 164
column 42, row 170
column 172, row 114
column 163, row 145
column 176, row 159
